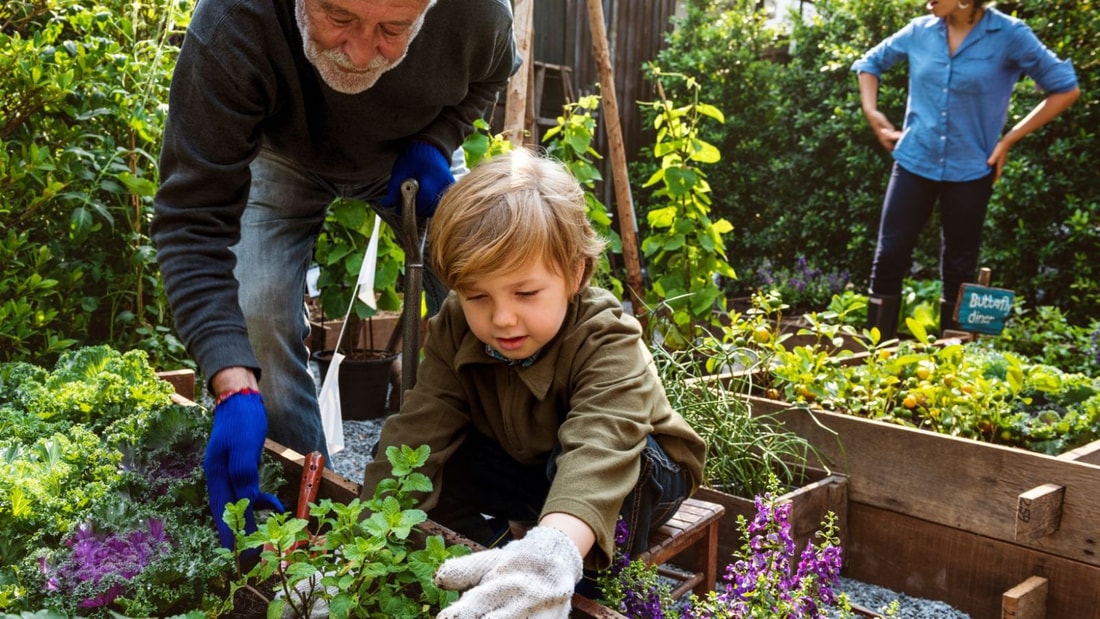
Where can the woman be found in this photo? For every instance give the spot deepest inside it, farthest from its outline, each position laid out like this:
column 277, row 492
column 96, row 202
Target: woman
column 964, row 60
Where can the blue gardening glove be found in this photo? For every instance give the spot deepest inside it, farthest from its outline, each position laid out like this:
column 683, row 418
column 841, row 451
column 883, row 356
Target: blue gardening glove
column 232, row 462
column 533, row 577
column 430, row 167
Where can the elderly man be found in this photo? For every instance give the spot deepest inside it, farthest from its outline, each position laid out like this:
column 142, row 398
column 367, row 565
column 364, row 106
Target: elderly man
column 277, row 107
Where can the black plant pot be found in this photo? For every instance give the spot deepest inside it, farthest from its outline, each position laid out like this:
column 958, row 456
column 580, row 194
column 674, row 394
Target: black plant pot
column 365, row 379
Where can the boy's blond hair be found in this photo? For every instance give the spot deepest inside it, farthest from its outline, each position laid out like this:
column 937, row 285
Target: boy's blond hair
column 508, row 211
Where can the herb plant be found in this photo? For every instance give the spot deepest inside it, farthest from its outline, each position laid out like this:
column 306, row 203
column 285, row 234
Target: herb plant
column 744, row 451
column 358, row 565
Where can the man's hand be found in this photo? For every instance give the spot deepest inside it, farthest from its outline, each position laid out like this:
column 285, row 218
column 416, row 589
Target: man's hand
column 233, row 459
column 533, row 578
column 430, row 167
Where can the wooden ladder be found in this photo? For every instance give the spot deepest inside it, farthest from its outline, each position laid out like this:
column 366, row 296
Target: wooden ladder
column 543, row 113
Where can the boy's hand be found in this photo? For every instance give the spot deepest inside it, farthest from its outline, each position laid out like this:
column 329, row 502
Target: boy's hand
column 533, row 577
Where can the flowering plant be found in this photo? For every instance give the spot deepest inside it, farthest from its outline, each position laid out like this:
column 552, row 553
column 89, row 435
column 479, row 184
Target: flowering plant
column 765, row 581
column 632, row 587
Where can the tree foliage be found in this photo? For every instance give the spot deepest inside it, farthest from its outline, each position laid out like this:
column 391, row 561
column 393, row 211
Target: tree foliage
column 82, row 103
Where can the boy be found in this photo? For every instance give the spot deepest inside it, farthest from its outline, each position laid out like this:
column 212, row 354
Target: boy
column 537, row 396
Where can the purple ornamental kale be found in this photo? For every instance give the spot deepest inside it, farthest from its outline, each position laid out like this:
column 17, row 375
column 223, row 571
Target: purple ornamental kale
column 94, row 557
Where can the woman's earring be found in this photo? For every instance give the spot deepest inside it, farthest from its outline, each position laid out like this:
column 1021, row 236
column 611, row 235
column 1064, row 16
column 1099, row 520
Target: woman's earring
column 964, row 6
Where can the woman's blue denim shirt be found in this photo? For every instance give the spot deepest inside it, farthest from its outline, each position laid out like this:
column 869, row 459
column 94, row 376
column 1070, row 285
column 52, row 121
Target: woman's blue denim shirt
column 958, row 104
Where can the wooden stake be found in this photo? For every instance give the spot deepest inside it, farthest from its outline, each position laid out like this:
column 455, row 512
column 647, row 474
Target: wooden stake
column 614, row 129
column 515, row 107
column 1027, row 600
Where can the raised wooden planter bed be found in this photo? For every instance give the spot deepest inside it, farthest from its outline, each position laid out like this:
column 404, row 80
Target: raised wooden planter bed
column 965, row 522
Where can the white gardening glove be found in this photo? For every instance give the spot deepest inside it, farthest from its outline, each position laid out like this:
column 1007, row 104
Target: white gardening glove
column 308, row 587
column 532, row 578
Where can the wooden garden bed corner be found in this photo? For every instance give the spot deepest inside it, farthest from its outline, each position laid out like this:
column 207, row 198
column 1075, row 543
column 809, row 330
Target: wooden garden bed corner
column 961, row 521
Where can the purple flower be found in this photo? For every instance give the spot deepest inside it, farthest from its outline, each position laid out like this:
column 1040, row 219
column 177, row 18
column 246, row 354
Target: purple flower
column 761, row 580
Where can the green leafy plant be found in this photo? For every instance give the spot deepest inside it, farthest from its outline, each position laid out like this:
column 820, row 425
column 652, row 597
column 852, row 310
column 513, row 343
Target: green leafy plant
column 339, row 252
column 359, row 565
column 102, row 499
column 483, row 144
column 80, row 123
column 967, row 390
column 1047, row 336
column 744, row 451
column 570, row 141
column 683, row 244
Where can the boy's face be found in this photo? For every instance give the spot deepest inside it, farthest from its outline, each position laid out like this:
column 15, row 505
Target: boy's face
column 518, row 312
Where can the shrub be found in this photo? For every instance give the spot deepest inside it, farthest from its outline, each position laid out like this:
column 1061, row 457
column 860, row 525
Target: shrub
column 82, row 90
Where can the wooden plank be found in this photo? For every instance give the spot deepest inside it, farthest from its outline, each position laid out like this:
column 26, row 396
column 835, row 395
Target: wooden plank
column 1089, row 454
column 809, row 504
column 956, row 482
column 1027, row 600
column 968, row 571
column 1039, row 511
column 183, row 381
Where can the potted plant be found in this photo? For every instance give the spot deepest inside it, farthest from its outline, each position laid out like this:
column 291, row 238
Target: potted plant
column 367, row 370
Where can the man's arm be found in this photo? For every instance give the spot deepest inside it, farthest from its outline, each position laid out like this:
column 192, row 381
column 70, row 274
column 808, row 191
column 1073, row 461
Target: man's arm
column 456, row 122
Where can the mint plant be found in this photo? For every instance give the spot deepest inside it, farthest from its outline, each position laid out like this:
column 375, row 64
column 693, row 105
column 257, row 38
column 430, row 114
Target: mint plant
column 364, row 559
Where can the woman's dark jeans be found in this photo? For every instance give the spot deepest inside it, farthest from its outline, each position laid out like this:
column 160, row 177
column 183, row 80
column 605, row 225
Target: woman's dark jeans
column 481, row 478
column 907, row 207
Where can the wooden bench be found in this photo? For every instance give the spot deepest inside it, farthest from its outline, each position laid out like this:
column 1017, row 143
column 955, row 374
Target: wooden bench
column 694, row 526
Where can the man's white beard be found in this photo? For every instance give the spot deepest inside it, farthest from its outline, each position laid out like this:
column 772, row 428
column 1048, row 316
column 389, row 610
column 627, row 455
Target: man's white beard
column 336, row 69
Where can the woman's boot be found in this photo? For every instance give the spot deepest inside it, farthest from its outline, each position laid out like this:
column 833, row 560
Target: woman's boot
column 882, row 312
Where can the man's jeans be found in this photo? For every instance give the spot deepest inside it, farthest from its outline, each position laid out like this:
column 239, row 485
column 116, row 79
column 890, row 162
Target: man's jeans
column 481, row 478
column 907, row 207
column 285, row 213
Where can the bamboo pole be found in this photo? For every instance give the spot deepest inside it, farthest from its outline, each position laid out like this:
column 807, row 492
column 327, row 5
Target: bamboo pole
column 612, row 125
column 515, row 107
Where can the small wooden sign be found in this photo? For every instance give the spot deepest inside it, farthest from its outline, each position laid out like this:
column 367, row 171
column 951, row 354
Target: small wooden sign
column 982, row 309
